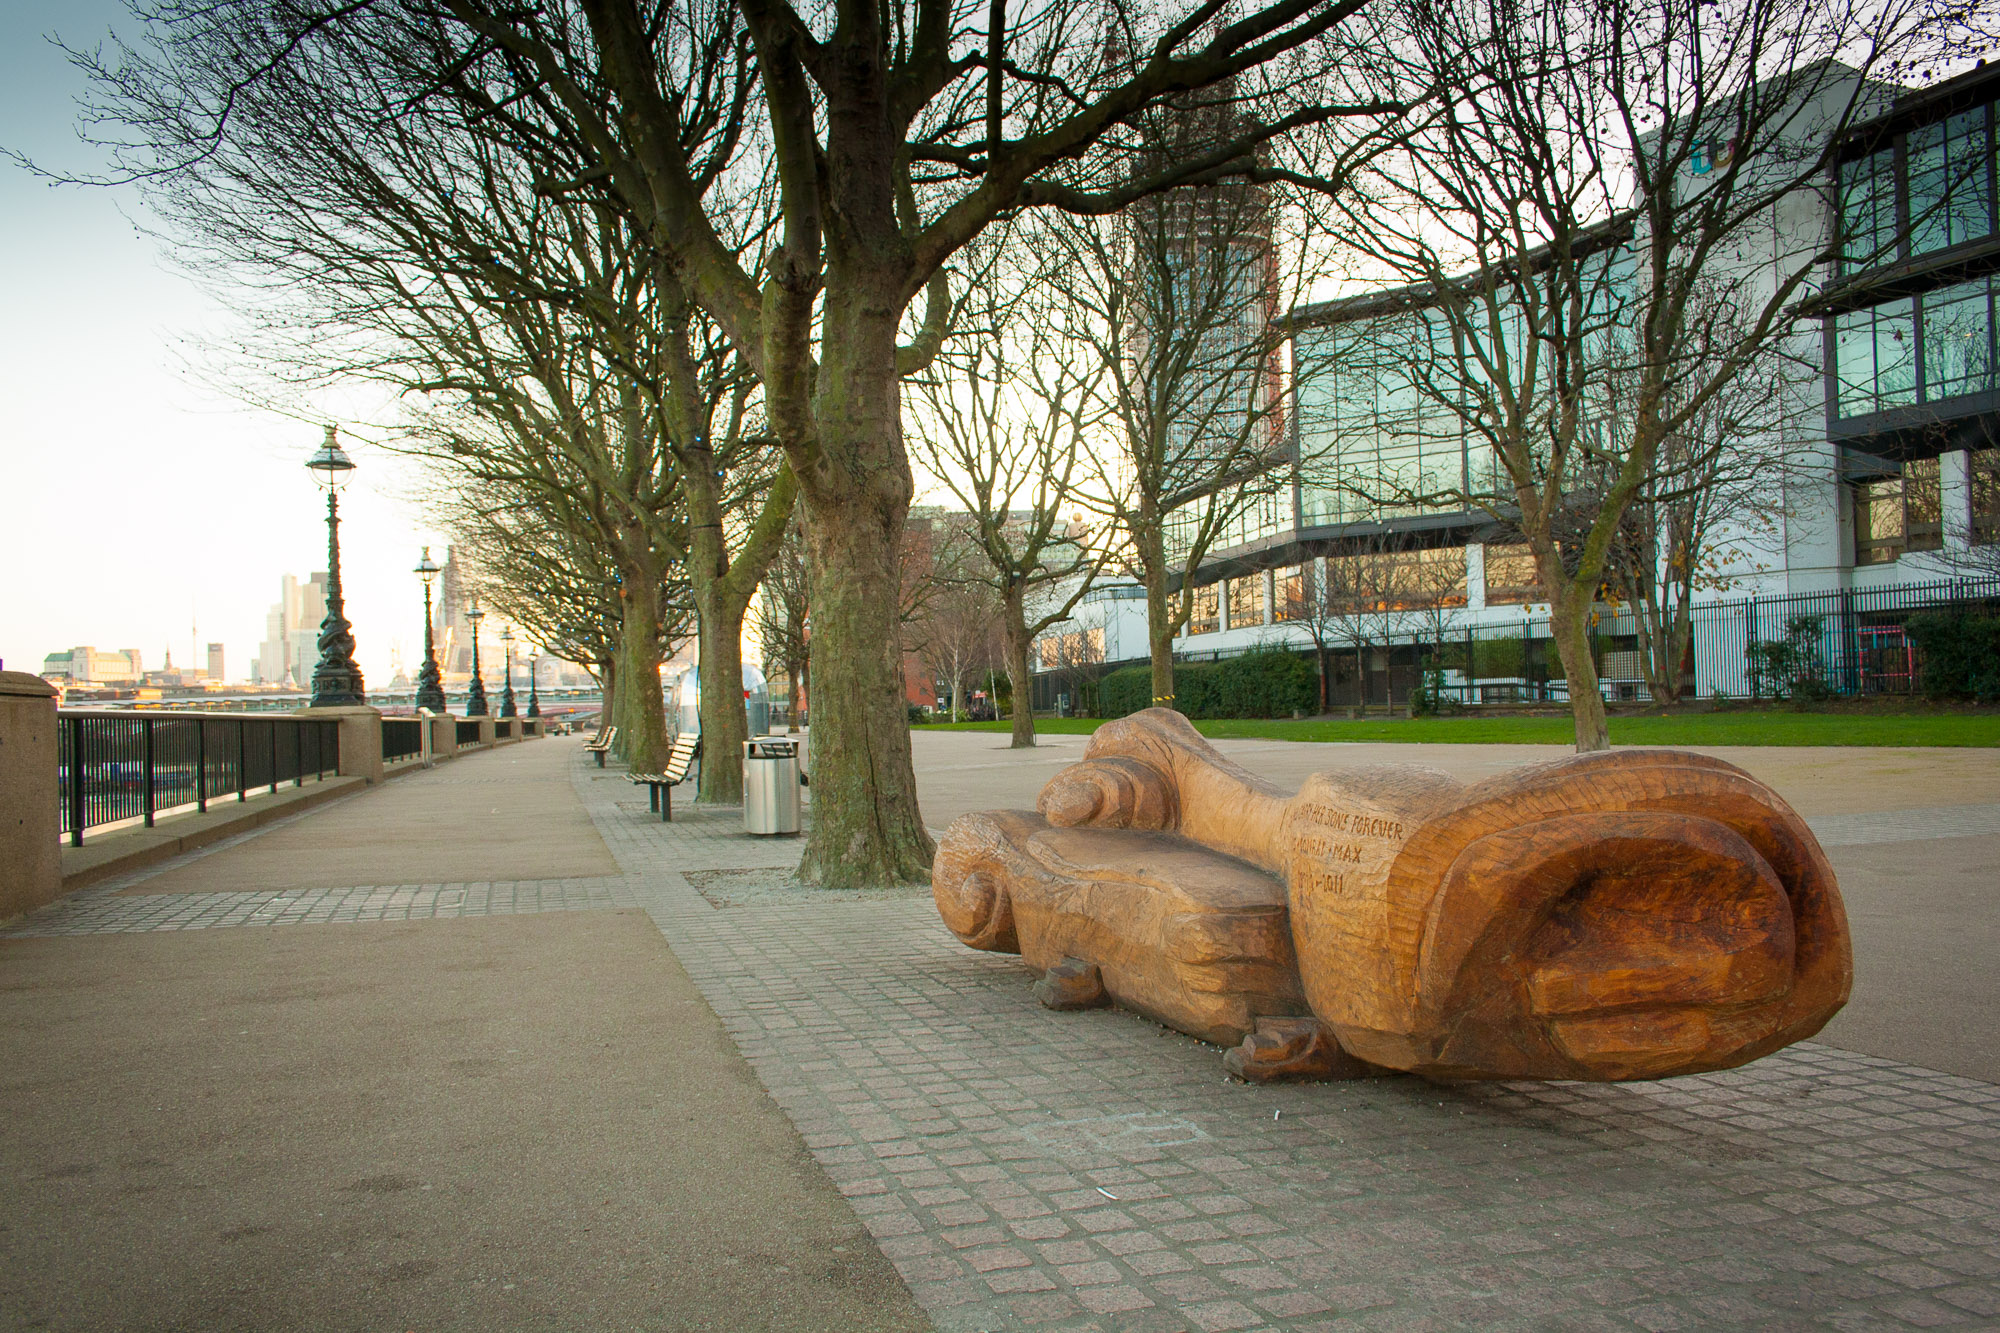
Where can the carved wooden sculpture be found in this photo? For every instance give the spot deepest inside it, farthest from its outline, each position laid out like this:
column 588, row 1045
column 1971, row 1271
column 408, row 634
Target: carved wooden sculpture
column 1622, row 915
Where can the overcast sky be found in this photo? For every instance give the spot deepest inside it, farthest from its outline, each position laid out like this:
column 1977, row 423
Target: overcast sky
column 133, row 502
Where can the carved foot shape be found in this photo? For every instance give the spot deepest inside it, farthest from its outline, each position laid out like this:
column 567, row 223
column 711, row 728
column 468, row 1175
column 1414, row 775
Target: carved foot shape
column 1294, row 1050
column 1631, row 914
column 1072, row 984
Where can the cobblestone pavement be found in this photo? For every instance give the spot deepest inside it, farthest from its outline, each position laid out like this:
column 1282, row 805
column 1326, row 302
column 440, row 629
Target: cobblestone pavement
column 1026, row 1169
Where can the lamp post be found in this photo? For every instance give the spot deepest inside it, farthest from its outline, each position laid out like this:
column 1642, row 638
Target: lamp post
column 507, row 695
column 430, row 685
column 475, row 698
column 336, row 680
column 534, row 680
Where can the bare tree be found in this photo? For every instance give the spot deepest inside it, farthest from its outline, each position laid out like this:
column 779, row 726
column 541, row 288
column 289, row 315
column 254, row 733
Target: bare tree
column 1385, row 588
column 1173, row 303
column 1713, row 505
column 539, row 564
column 1072, row 651
column 1585, row 212
column 1000, row 423
column 959, row 636
column 898, row 133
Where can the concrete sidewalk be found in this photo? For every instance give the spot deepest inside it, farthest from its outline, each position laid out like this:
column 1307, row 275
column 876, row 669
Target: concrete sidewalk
column 494, row 1122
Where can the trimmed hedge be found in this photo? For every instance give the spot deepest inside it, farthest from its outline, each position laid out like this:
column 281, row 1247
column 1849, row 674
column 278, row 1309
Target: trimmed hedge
column 1960, row 654
column 1265, row 682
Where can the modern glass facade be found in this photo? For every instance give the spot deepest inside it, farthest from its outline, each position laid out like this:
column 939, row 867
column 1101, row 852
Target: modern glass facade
column 1926, row 349
column 1928, row 189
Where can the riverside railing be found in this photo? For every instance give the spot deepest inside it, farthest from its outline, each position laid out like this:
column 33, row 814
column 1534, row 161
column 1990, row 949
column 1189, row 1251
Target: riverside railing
column 468, row 731
column 402, row 738
column 116, row 766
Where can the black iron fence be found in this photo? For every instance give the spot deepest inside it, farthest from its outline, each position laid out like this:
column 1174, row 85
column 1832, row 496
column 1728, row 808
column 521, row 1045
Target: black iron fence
column 402, row 737
column 115, row 766
column 468, row 731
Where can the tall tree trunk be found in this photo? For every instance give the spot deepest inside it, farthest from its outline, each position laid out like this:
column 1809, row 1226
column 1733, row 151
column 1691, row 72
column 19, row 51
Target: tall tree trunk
column 641, row 710
column 866, row 826
column 725, row 725
column 1018, row 680
column 1159, row 636
column 607, row 677
column 1569, row 616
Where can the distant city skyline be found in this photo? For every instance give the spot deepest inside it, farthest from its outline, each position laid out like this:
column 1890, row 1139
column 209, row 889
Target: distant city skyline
column 153, row 505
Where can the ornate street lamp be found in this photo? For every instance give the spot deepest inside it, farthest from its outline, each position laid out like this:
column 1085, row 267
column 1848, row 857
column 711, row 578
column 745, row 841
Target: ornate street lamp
column 430, row 685
column 336, row 680
column 534, row 674
column 475, row 698
column 507, row 694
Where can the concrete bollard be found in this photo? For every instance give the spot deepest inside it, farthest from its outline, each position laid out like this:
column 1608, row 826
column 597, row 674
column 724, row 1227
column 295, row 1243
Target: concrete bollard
column 30, row 825
column 360, row 738
column 487, row 732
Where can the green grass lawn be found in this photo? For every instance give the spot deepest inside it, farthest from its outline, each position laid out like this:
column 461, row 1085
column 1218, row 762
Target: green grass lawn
column 1748, row 727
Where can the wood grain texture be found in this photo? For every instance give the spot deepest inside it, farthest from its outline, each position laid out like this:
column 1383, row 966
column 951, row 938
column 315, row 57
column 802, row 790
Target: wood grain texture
column 1619, row 915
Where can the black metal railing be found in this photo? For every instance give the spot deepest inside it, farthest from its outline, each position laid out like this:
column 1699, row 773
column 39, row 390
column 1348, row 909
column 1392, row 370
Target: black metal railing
column 504, row 729
column 402, row 737
column 116, row 766
column 468, row 731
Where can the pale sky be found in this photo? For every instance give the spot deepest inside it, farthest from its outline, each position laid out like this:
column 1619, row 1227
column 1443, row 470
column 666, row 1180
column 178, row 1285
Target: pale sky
column 132, row 500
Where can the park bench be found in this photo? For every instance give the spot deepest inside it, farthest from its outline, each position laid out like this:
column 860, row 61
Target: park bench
column 600, row 744
column 662, row 784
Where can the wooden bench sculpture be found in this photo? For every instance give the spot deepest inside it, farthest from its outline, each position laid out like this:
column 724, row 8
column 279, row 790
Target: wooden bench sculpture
column 1620, row 915
column 662, row 784
column 600, row 744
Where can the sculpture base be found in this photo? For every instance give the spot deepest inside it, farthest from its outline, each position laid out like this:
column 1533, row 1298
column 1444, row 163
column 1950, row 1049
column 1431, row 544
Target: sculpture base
column 1072, row 984
column 1295, row 1050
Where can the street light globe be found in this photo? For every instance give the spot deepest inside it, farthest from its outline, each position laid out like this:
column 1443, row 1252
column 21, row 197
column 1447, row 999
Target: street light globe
column 331, row 464
column 427, row 569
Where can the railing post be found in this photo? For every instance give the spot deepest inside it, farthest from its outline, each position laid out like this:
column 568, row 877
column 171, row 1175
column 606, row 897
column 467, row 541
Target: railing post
column 76, row 771
column 242, row 759
column 274, row 756
column 146, row 731
column 201, row 764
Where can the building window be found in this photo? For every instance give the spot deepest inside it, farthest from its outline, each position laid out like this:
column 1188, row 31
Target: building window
column 1206, row 617
column 1985, row 497
column 1878, row 521
column 1511, row 576
column 1893, row 515
column 1950, row 195
column 1289, row 602
column 1246, row 601
column 1923, row 505
column 1958, row 341
column 1868, row 210
column 1875, row 358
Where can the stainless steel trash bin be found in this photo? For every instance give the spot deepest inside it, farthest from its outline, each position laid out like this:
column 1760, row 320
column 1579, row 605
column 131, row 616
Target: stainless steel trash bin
column 770, row 786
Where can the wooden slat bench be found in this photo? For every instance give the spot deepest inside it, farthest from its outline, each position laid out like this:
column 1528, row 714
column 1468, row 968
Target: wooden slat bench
column 600, row 744
column 662, row 784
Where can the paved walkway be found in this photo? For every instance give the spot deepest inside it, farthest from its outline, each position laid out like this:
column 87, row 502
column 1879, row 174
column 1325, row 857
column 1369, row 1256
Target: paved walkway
column 369, row 1116
column 1025, row 1169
